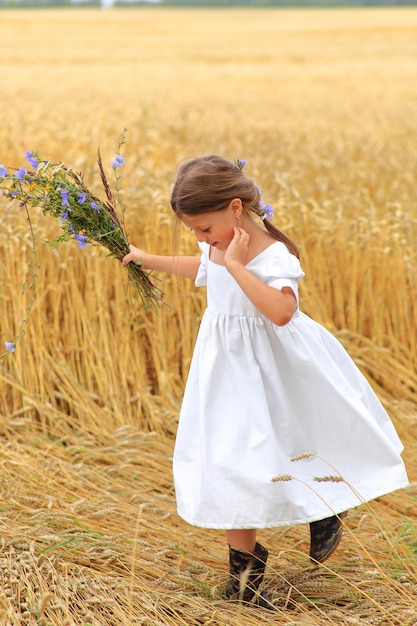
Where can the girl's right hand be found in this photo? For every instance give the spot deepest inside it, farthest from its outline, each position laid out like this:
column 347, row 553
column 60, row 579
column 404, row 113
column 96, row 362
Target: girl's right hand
column 133, row 256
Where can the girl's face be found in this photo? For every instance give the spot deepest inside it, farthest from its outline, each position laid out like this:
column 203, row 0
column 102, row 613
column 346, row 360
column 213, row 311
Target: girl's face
column 215, row 227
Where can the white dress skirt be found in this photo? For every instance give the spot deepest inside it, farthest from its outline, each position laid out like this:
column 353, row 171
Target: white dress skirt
column 259, row 396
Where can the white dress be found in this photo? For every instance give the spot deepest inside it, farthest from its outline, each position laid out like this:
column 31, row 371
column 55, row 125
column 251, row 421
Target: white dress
column 257, row 396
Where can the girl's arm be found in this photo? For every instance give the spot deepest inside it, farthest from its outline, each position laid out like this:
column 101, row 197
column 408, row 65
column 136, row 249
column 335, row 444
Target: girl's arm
column 186, row 266
column 277, row 305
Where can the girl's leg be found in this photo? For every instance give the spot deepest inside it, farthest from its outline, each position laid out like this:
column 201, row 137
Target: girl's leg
column 242, row 539
column 247, row 561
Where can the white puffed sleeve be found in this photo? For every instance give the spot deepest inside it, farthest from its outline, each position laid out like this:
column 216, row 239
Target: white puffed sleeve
column 201, row 278
column 281, row 269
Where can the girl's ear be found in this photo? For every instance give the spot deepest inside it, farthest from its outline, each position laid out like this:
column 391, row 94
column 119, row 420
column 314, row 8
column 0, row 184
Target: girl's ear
column 236, row 206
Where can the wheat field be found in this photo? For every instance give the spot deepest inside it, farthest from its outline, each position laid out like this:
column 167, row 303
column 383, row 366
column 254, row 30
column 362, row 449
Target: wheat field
column 322, row 104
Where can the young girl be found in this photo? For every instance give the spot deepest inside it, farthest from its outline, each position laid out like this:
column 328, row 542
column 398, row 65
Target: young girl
column 270, row 392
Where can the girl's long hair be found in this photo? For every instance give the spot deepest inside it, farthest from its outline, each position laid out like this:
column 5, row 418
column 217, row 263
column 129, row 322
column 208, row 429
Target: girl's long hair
column 210, row 183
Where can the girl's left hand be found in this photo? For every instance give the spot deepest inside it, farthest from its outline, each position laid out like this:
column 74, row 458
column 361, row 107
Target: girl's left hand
column 238, row 248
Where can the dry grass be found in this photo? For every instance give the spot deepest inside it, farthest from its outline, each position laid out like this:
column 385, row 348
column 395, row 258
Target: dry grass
column 322, row 104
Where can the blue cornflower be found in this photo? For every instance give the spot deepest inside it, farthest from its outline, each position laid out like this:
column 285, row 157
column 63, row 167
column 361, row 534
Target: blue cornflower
column 10, row 346
column 82, row 240
column 95, row 206
column 3, row 171
column 81, row 197
column 64, row 215
column 64, row 195
column 21, row 173
column 118, row 160
column 32, row 158
column 269, row 210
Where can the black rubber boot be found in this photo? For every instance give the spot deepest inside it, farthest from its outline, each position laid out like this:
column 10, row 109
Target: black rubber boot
column 325, row 536
column 246, row 576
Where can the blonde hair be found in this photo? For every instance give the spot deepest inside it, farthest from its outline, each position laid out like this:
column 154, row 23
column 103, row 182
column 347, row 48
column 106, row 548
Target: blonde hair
column 207, row 184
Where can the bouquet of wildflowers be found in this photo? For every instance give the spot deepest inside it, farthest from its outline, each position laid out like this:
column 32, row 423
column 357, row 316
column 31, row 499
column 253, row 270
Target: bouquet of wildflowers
column 83, row 217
